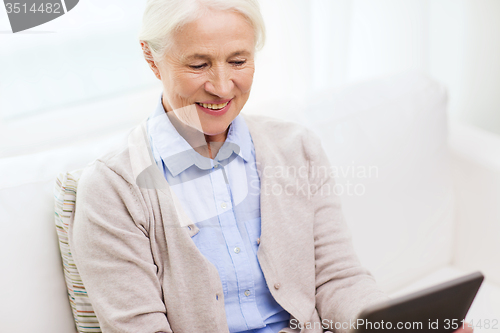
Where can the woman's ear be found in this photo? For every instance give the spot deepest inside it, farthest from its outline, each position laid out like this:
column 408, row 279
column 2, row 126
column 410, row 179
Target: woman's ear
column 149, row 58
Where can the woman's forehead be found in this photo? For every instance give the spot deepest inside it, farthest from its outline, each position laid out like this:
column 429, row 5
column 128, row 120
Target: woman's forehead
column 204, row 56
column 213, row 32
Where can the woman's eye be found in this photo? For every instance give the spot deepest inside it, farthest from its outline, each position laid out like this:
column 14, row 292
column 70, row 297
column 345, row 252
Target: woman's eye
column 197, row 66
column 238, row 63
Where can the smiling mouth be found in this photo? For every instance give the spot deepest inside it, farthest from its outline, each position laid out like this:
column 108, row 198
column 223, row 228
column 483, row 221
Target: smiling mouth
column 214, row 106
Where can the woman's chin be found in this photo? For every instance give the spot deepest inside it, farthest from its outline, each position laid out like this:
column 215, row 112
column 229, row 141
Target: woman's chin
column 214, row 129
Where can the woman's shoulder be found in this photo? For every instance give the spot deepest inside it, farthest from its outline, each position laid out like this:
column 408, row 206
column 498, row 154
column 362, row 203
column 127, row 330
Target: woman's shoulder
column 289, row 139
column 100, row 176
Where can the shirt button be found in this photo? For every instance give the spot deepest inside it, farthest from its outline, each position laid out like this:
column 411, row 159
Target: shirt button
column 237, row 250
column 247, row 293
column 216, row 166
column 277, row 286
column 217, row 297
column 258, row 240
column 223, row 205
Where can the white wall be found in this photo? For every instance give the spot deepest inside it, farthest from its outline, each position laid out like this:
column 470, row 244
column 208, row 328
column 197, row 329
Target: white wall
column 89, row 53
column 388, row 36
column 465, row 53
column 320, row 44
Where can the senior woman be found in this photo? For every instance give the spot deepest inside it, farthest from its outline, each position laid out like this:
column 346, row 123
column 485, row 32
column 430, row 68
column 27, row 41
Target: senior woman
column 192, row 225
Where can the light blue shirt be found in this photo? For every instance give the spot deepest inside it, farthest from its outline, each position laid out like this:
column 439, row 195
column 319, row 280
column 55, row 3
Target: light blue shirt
column 222, row 196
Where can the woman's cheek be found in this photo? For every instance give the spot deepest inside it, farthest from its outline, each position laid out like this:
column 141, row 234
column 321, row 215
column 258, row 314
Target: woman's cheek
column 188, row 86
column 244, row 80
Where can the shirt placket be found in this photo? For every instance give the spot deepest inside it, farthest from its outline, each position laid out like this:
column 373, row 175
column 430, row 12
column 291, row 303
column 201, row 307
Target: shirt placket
column 236, row 248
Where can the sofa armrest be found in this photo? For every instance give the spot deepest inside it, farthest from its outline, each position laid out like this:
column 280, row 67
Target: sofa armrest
column 476, row 175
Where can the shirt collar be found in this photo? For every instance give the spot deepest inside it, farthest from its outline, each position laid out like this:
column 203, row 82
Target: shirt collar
column 178, row 155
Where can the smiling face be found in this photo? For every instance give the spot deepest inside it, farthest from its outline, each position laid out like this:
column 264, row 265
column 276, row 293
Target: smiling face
column 208, row 72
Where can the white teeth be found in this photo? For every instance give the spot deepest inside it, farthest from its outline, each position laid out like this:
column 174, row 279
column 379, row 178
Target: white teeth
column 214, row 106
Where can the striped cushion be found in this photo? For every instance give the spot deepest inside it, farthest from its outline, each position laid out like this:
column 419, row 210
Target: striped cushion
column 65, row 196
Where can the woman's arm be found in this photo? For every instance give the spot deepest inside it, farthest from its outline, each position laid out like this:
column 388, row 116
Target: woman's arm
column 110, row 244
column 343, row 286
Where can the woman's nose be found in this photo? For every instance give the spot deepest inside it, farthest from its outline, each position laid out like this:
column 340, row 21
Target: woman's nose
column 220, row 83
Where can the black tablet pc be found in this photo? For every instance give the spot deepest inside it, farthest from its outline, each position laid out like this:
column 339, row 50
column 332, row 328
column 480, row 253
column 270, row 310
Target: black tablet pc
column 439, row 309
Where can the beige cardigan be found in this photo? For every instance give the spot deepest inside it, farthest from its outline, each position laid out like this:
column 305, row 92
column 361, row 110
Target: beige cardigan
column 131, row 240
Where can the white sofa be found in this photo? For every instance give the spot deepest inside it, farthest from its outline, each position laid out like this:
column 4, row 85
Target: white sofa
column 421, row 195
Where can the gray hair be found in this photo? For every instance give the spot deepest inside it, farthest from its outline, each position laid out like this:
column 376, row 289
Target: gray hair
column 163, row 17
